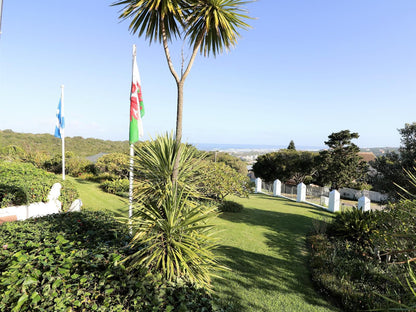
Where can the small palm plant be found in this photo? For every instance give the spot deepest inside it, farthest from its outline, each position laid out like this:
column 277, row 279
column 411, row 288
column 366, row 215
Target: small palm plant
column 172, row 233
column 154, row 162
column 174, row 239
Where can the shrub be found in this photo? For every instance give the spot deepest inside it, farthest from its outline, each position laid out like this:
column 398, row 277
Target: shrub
column 116, row 164
column 71, row 262
column 360, row 262
column 217, row 180
column 174, row 239
column 230, row 206
column 153, row 169
column 23, row 184
column 118, row 186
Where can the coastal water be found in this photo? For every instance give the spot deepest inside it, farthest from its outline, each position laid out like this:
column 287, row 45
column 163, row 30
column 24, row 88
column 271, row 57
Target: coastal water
column 248, row 147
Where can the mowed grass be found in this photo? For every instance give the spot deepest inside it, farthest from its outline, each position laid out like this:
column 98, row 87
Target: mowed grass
column 265, row 248
column 93, row 198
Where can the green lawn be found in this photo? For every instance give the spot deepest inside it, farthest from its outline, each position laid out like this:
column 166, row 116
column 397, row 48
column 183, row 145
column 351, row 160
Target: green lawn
column 264, row 246
column 93, row 198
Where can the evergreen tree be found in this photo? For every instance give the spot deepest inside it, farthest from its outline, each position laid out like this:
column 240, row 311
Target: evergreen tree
column 291, row 146
column 340, row 164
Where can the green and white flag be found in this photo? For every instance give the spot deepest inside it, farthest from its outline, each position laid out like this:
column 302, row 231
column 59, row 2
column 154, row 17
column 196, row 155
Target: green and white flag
column 136, row 104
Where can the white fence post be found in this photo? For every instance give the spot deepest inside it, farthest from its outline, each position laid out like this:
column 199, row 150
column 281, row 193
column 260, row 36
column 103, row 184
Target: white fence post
column 364, row 203
column 258, row 186
column 301, row 190
column 277, row 188
column 334, row 201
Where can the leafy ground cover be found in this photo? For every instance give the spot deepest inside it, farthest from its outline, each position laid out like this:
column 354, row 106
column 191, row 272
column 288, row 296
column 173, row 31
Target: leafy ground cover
column 265, row 247
column 71, row 262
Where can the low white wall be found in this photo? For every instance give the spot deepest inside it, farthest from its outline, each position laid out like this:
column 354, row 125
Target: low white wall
column 349, row 193
column 40, row 209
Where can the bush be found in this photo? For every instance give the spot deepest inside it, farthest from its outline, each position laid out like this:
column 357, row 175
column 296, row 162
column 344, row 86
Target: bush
column 23, row 184
column 116, row 164
column 230, row 206
column 217, row 180
column 71, row 262
column 118, row 186
column 361, row 259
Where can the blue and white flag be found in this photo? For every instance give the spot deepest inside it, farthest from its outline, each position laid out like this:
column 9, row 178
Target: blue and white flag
column 60, row 121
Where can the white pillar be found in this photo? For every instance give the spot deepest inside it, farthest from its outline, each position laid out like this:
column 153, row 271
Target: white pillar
column 277, row 188
column 301, row 190
column 258, row 186
column 364, row 203
column 334, row 201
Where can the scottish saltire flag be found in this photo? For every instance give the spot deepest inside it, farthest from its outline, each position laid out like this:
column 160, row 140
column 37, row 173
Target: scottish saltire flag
column 136, row 104
column 60, row 121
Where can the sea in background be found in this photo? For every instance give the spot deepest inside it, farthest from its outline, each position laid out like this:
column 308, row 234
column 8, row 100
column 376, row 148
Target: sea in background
column 249, row 147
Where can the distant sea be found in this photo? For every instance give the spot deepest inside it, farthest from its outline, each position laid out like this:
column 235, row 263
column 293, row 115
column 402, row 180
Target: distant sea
column 248, row 147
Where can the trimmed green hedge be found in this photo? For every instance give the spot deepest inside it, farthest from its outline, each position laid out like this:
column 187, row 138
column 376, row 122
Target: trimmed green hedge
column 72, row 262
column 23, row 183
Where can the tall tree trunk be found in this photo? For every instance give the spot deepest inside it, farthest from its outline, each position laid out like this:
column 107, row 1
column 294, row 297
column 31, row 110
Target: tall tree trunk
column 178, row 136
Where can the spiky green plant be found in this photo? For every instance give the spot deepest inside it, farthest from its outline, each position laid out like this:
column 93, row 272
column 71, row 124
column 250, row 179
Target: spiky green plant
column 154, row 162
column 174, row 239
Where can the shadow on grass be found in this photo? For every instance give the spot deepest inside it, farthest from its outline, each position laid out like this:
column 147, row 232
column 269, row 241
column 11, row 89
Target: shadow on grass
column 284, row 269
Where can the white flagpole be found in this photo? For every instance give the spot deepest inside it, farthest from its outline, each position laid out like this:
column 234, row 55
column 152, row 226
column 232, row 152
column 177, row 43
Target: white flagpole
column 63, row 133
column 1, row 13
column 131, row 154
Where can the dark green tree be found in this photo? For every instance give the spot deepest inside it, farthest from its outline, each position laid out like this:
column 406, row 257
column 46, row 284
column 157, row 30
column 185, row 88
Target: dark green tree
column 340, row 165
column 285, row 165
column 407, row 149
column 390, row 168
column 291, row 145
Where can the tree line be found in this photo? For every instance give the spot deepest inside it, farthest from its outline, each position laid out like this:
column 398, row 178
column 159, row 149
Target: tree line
column 340, row 165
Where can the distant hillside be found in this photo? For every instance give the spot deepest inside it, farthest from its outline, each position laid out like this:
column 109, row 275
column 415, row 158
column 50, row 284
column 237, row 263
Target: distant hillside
column 379, row 151
column 51, row 145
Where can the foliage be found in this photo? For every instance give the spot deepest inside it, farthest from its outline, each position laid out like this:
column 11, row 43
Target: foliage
column 231, row 161
column 74, row 165
column 285, row 165
column 230, row 206
column 217, row 180
column 68, row 262
column 291, row 145
column 391, row 168
column 49, row 145
column 12, row 152
column 361, row 261
column 407, row 149
column 153, row 168
column 23, row 184
column 341, row 164
column 388, row 169
column 116, row 164
column 117, row 186
column 173, row 239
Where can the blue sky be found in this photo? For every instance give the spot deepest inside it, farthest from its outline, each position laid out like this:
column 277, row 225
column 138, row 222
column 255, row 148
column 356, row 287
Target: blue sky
column 307, row 68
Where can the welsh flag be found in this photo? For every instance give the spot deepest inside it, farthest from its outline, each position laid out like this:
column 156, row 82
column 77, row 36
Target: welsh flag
column 136, row 104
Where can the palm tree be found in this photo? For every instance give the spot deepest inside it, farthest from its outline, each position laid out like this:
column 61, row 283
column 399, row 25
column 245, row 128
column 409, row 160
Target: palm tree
column 209, row 26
